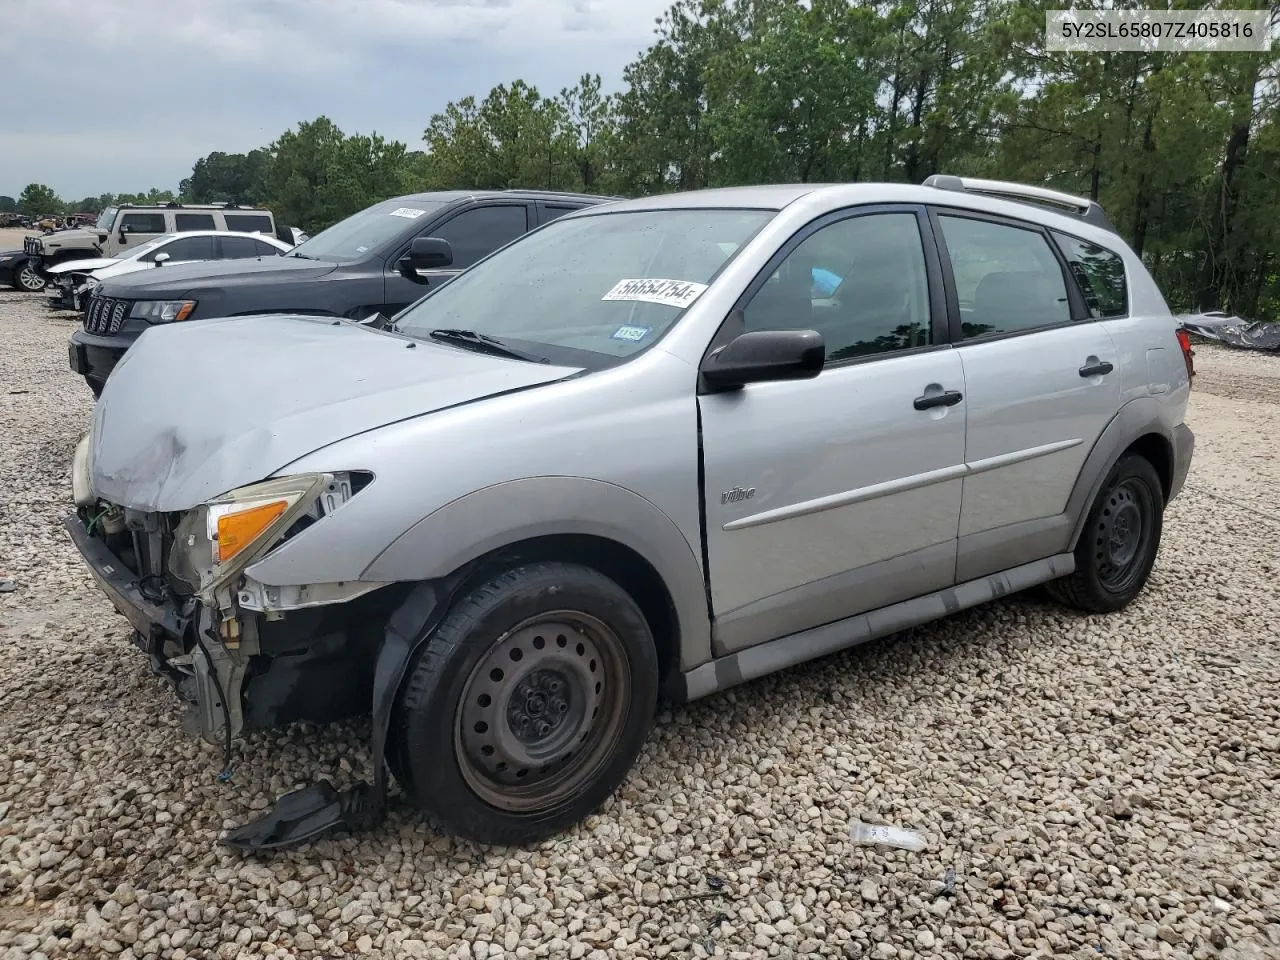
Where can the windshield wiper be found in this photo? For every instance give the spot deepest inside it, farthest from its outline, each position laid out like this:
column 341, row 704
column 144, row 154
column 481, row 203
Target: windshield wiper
column 482, row 342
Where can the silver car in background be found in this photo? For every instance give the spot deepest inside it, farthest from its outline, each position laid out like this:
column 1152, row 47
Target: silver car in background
column 668, row 444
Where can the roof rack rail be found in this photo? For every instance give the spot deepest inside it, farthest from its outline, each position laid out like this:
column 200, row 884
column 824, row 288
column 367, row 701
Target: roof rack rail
column 1082, row 208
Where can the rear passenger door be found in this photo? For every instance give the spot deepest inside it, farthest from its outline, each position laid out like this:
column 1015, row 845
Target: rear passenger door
column 1040, row 386
column 473, row 233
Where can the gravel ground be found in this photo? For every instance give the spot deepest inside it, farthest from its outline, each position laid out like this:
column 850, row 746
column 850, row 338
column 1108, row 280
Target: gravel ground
column 1088, row 786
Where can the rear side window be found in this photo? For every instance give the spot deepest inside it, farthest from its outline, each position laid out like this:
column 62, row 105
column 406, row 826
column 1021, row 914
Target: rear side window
column 248, row 222
column 193, row 221
column 1100, row 274
column 1007, row 278
column 238, row 248
column 476, row 233
column 142, row 223
column 189, row 248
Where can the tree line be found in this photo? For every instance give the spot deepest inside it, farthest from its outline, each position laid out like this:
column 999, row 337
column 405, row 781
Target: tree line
column 1183, row 150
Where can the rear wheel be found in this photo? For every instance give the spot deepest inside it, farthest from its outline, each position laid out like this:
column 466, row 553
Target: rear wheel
column 525, row 710
column 28, row 278
column 1118, row 546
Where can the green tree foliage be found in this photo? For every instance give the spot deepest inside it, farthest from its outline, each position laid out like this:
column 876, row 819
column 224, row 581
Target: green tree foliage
column 37, row 200
column 237, row 177
column 8, row 205
column 317, row 175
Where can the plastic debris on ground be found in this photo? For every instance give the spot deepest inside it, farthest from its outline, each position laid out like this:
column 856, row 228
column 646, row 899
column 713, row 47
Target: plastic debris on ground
column 883, row 835
column 1233, row 331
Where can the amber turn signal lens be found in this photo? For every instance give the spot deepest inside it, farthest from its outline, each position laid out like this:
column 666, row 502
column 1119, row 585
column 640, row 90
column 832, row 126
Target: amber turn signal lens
column 185, row 310
column 237, row 530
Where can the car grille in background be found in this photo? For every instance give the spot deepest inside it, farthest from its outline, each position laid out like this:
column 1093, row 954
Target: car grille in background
column 31, row 246
column 105, row 315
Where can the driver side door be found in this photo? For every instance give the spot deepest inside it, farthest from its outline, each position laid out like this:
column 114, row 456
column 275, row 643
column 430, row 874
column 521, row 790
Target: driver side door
column 473, row 233
column 833, row 496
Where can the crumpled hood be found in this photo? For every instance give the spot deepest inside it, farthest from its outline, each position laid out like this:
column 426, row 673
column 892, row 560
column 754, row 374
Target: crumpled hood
column 179, row 280
column 82, row 266
column 199, row 408
column 78, row 236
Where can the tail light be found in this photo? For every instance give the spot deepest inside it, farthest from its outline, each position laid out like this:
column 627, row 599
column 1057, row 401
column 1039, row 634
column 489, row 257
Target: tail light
column 1188, row 355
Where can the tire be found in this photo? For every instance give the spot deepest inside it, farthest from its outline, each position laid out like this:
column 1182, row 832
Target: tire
column 546, row 669
column 1118, row 545
column 28, row 279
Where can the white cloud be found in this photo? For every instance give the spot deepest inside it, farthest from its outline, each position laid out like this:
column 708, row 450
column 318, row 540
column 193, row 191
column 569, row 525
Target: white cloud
column 122, row 91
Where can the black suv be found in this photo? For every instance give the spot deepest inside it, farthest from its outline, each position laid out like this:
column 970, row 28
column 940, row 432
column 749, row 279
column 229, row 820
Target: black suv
column 379, row 260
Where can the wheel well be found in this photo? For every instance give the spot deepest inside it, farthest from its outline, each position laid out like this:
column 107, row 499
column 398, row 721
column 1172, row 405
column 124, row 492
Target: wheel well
column 1159, row 453
column 620, row 563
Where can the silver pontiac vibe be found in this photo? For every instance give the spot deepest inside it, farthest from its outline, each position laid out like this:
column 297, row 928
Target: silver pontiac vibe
column 658, row 445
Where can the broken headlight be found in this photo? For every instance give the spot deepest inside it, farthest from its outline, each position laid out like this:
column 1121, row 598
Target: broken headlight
column 162, row 311
column 216, row 541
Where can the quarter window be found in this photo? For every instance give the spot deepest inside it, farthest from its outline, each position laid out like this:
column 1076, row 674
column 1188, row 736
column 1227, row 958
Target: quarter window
column 1007, row 278
column 142, row 223
column 860, row 282
column 1100, row 274
column 193, row 221
column 266, row 249
column 476, row 233
column 248, row 223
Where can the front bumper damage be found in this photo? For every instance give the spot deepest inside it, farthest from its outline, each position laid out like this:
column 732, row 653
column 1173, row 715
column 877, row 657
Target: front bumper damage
column 182, row 639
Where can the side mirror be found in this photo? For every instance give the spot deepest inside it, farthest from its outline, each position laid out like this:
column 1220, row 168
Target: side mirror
column 426, row 253
column 160, row 258
column 763, row 355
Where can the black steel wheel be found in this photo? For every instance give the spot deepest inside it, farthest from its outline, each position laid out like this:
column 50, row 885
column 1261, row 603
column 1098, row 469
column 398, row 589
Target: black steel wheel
column 1118, row 545
column 529, row 704
column 27, row 278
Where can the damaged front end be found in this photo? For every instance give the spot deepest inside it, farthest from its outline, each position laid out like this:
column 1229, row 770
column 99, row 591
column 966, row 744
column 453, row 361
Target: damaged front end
column 245, row 655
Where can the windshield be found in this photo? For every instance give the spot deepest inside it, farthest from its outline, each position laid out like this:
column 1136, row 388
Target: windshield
column 106, row 218
column 609, row 284
column 353, row 238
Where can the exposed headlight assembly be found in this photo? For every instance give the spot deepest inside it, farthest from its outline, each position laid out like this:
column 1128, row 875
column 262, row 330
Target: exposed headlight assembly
column 219, row 539
column 162, row 311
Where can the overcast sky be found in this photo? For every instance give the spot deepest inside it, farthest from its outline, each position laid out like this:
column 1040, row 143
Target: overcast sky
column 124, row 95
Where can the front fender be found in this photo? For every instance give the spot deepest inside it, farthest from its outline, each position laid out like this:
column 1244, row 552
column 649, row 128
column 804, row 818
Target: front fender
column 508, row 513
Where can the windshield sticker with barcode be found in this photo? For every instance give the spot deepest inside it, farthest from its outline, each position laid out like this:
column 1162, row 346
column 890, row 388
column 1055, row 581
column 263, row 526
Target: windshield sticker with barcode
column 409, row 213
column 631, row 334
column 671, row 293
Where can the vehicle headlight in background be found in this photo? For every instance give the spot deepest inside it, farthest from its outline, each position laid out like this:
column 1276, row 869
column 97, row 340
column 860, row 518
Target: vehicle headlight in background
column 162, row 311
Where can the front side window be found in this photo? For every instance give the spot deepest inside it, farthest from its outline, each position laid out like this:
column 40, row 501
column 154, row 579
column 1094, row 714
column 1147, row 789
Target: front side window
column 474, row 234
column 592, row 289
column 144, row 251
column 860, row 282
column 1007, row 278
column 1100, row 274
column 189, row 248
column 142, row 223
column 367, row 232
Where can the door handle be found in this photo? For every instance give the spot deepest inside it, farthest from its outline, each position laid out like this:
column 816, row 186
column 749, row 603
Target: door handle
column 947, row 398
column 1094, row 367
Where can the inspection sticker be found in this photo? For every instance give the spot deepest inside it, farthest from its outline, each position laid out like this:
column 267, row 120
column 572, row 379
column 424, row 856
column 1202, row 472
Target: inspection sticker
column 672, row 293
column 632, row 334
column 409, row 213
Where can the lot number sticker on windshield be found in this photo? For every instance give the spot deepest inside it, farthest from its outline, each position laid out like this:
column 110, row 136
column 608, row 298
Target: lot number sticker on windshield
column 632, row 334
column 409, row 213
column 672, row 293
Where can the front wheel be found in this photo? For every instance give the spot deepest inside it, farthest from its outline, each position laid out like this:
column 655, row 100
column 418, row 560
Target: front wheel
column 28, row 278
column 1118, row 545
column 528, row 706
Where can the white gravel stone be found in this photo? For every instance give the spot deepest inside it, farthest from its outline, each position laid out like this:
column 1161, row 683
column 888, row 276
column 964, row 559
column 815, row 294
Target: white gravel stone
column 1098, row 785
